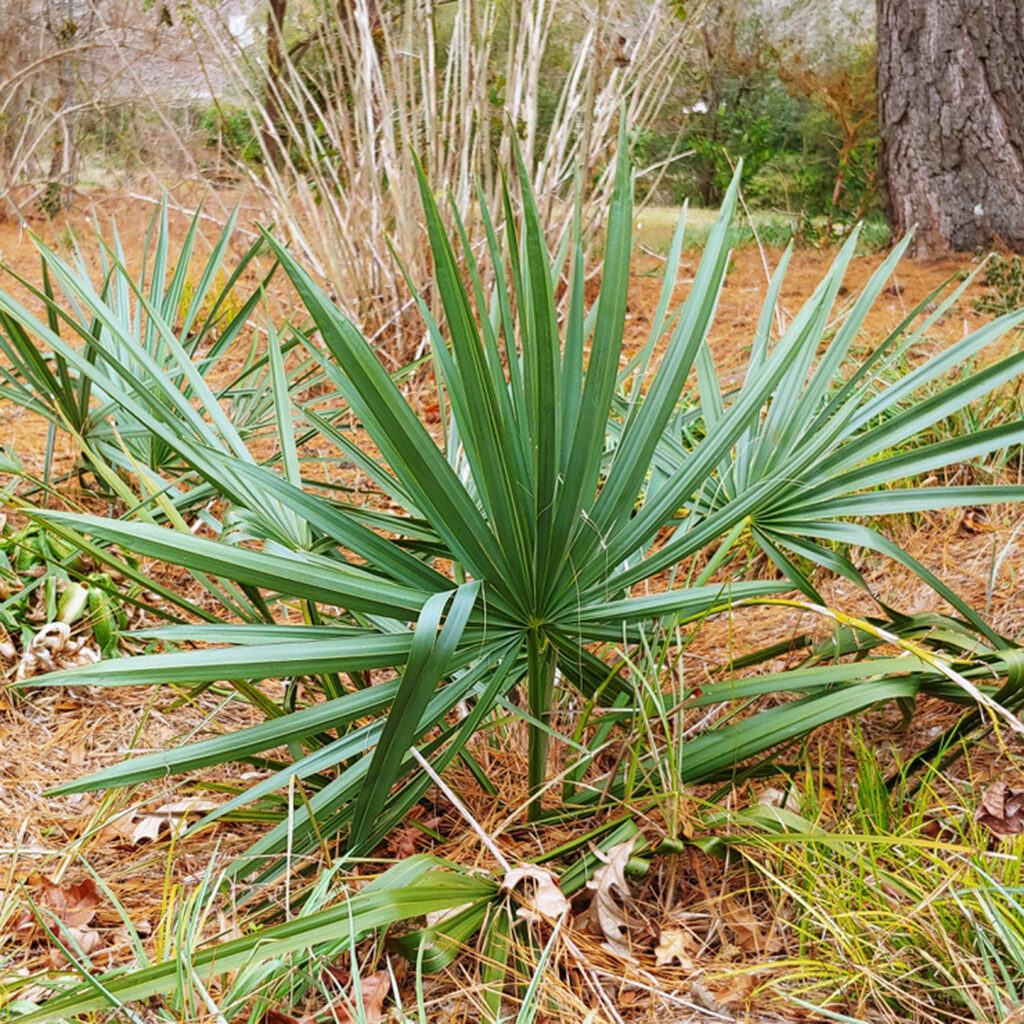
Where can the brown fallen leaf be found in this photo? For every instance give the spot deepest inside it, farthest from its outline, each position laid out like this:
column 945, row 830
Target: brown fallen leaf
column 1001, row 810
column 676, row 944
column 547, row 901
column 53, row 648
column 277, row 1017
column 605, row 915
column 774, row 797
column 629, row 996
column 727, row 991
column 74, row 905
column 118, row 831
column 406, row 842
column 750, row 936
column 373, row 989
column 87, row 939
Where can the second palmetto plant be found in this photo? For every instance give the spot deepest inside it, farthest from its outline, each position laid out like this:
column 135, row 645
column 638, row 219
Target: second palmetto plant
column 522, row 554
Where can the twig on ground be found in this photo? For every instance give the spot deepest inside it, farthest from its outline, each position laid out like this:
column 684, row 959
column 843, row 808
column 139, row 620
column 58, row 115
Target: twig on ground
column 462, row 809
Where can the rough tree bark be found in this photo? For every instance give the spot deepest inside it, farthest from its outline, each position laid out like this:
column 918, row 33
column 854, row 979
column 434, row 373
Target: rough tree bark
column 276, row 11
column 951, row 116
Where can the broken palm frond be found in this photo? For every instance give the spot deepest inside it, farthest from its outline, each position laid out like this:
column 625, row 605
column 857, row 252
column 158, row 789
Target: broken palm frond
column 1014, row 662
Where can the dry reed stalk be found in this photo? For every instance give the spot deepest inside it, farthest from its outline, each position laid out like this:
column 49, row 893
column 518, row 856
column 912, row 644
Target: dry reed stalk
column 342, row 113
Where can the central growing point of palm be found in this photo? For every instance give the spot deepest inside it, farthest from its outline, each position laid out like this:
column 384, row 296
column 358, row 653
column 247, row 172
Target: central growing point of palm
column 525, row 497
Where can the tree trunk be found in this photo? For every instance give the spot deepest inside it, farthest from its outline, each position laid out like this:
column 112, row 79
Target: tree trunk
column 951, row 118
column 273, row 131
column 63, row 26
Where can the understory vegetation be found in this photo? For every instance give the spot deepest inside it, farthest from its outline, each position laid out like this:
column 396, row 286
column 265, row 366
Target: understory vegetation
column 523, row 570
column 316, row 110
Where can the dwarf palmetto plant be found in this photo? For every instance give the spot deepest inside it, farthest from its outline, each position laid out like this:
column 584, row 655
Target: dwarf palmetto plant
column 148, row 369
column 534, row 539
column 550, row 534
column 113, row 343
column 834, row 436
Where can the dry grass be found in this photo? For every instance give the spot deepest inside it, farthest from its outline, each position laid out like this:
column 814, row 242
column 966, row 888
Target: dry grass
column 336, row 177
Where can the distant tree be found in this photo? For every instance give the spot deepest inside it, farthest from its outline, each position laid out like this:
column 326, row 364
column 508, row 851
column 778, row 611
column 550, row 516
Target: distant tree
column 113, row 78
column 276, row 12
column 789, row 85
column 64, row 22
column 42, row 45
column 951, row 116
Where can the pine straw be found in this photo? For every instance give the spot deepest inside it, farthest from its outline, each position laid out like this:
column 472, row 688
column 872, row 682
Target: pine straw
column 50, row 735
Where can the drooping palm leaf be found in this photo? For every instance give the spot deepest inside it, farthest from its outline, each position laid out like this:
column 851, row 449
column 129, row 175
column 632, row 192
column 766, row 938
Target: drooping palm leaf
column 417, row 886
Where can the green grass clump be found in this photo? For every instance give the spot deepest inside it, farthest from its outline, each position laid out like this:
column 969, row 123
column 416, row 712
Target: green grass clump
column 898, row 904
column 1006, row 279
column 655, row 227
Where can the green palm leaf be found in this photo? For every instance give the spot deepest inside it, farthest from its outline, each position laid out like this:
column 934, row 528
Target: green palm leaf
column 419, row 885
